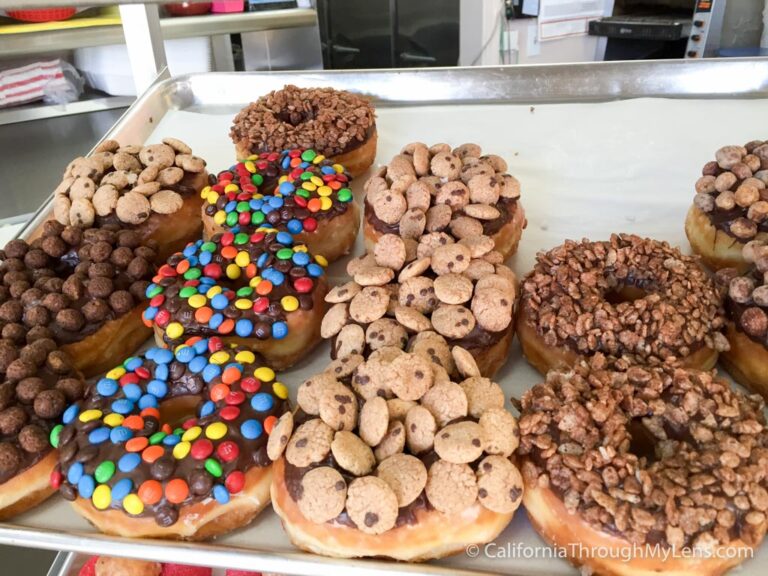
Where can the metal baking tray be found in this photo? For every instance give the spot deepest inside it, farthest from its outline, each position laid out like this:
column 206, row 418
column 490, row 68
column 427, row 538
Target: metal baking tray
column 598, row 148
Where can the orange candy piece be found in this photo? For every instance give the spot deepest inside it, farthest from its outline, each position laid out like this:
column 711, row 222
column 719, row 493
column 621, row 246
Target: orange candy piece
column 166, row 428
column 176, row 491
column 227, row 326
column 203, row 314
column 219, row 392
column 182, row 266
column 314, row 205
column 193, row 340
column 152, row 453
column 269, row 423
column 134, row 422
column 136, row 444
column 229, row 252
column 264, row 287
column 231, row 375
column 251, row 270
column 150, row 492
column 151, row 413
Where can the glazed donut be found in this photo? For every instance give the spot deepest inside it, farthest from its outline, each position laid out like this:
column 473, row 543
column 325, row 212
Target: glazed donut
column 130, row 473
column 416, row 477
column 638, row 301
column 37, row 382
column 151, row 189
column 335, row 123
column 731, row 205
column 439, row 190
column 261, row 290
column 83, row 289
column 445, row 294
column 623, row 467
column 297, row 190
column 746, row 306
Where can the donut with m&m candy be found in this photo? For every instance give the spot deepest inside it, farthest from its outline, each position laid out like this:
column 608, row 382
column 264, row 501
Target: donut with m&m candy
column 131, row 471
column 260, row 290
column 299, row 191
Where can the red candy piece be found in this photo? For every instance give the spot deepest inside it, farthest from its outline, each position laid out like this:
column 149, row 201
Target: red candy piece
column 231, row 572
column 189, row 423
column 260, row 304
column 142, row 372
column 167, row 271
column 162, row 318
column 303, row 285
column 230, row 412
column 89, row 568
column 301, row 202
column 201, row 449
column 235, row 481
column 235, row 398
column 184, row 570
column 215, row 344
column 56, row 478
column 244, row 218
column 225, row 175
column 261, row 164
column 310, row 224
column 157, row 301
column 212, row 270
column 250, row 384
column 227, row 451
column 227, row 239
column 257, row 237
column 129, row 378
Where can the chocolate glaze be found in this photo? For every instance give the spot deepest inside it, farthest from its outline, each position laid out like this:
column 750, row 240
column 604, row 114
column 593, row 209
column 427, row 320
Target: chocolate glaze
column 722, row 219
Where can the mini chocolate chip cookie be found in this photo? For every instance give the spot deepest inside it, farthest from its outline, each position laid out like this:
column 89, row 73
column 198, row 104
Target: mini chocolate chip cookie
column 451, row 258
column 453, row 321
column 450, row 487
column 343, row 367
column 420, row 428
column 372, row 505
column 373, row 378
column 278, row 438
column 338, row 406
column 405, row 474
column 334, row 320
column 352, row 454
column 323, row 494
column 308, row 394
column 465, row 362
column 413, row 269
column 460, row 443
column 389, row 251
column 374, row 421
column 385, row 332
column 418, row 293
column 453, row 288
column 393, row 441
column 374, row 276
column 350, row 340
column 482, row 394
column 343, row 293
column 492, row 309
column 310, row 444
column 369, row 305
column 502, row 435
column 446, row 401
column 414, row 377
column 500, row 484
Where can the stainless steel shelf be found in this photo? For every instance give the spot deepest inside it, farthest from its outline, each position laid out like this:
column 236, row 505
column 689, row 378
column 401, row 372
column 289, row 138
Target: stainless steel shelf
column 42, row 111
column 178, row 27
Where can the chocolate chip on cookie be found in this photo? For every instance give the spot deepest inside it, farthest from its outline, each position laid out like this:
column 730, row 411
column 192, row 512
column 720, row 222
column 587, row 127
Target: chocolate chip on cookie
column 278, row 438
column 338, row 406
column 460, row 443
column 502, row 435
column 323, row 494
column 500, row 484
column 372, row 505
column 374, row 421
column 420, row 428
column 450, row 487
column 352, row 454
column 310, row 443
column 405, row 474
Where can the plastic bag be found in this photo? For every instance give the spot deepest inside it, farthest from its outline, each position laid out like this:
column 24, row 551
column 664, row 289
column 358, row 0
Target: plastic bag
column 58, row 92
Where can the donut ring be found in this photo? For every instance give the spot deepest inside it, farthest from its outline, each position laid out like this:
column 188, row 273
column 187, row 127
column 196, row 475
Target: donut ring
column 731, row 205
column 565, row 313
column 261, row 290
column 336, row 123
column 298, row 191
column 130, row 473
column 592, row 481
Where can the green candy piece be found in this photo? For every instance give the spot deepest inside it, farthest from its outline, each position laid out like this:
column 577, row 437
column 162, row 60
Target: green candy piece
column 257, row 217
column 308, row 155
column 192, row 274
column 245, row 291
column 187, row 291
column 241, row 238
column 208, row 247
column 155, row 291
column 242, row 207
column 157, row 437
column 104, row 471
column 178, row 431
column 213, row 467
column 284, row 254
column 257, row 179
column 231, row 218
column 345, row 195
column 303, row 193
column 306, row 175
column 55, row 433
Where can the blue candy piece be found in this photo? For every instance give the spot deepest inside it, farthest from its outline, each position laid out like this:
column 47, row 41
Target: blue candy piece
column 148, row 401
column 304, row 165
column 314, row 270
column 201, row 346
column 151, row 312
column 120, row 434
column 274, row 276
column 185, row 354
column 198, row 364
column 157, row 388
column 219, row 302
column 132, row 363
column 128, row 462
column 230, row 206
column 121, row 489
column 251, row 429
column 276, row 202
column 207, row 408
column 163, row 356
column 216, row 321
column 151, row 352
column 221, row 494
column 300, row 258
column 327, row 170
column 132, row 391
column 122, row 406
column 193, row 260
column 149, row 290
column 243, row 327
column 171, row 440
column 107, row 387
column 205, row 258
column 287, row 188
column 294, row 226
column 202, row 289
column 211, row 371
column 75, row 472
column 86, row 486
column 70, row 413
column 161, row 372
column 189, row 250
column 279, row 330
column 206, row 280
column 284, row 238
column 286, row 163
column 255, row 204
column 262, row 260
column 262, row 402
column 99, row 435
column 267, row 208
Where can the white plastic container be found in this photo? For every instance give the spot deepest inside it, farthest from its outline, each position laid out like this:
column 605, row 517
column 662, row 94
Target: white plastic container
column 108, row 68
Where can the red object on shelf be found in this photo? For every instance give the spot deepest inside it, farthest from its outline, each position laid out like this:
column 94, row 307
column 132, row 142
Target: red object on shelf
column 226, row 6
column 89, row 568
column 188, row 8
column 43, row 14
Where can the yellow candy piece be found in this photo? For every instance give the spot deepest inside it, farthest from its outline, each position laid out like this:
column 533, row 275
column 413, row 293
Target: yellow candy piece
column 264, row 374
column 242, row 259
column 102, row 497
column 325, row 203
column 324, row 191
column 289, row 303
column 245, row 357
column 280, row 390
column 197, row 300
column 181, row 449
column 317, row 159
column 116, row 373
column 174, row 330
column 316, row 180
column 309, row 186
column 220, row 217
column 212, row 197
column 242, row 304
column 254, row 281
column 339, row 168
column 133, row 504
column 282, row 179
column 250, row 166
column 233, row 271
column 212, row 291
column 300, row 248
column 253, row 157
column 204, row 192
column 191, row 434
column 113, row 419
column 216, row 431
column 320, row 259
column 89, row 415
column 219, row 358
column 231, row 188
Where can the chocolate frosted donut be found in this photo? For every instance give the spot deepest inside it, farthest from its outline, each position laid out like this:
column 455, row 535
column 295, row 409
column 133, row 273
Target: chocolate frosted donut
column 335, row 123
column 645, row 462
column 635, row 300
column 82, row 288
column 298, row 191
column 262, row 290
column 132, row 473
column 731, row 205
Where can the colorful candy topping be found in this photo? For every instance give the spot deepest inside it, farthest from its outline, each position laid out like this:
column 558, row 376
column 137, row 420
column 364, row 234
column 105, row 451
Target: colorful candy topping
column 116, row 451
column 236, row 283
column 287, row 191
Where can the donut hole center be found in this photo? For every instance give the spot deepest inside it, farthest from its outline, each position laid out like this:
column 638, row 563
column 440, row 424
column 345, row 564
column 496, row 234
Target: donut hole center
column 178, row 410
column 294, row 117
column 625, row 293
column 642, row 443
